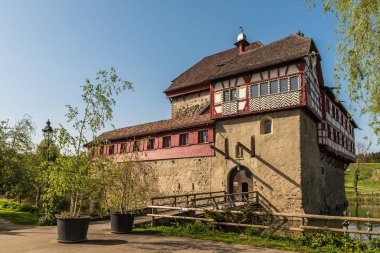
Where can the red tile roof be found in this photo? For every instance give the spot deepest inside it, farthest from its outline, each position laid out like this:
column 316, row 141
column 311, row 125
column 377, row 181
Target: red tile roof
column 200, row 72
column 229, row 62
column 156, row 127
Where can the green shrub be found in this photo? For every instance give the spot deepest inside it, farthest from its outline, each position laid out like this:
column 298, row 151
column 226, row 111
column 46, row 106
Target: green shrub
column 254, row 231
column 332, row 241
column 27, row 208
column 8, row 204
column 374, row 245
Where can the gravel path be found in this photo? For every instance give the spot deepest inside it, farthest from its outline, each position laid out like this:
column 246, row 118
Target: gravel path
column 44, row 240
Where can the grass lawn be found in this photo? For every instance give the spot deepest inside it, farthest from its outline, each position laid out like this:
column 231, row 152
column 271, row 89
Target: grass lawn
column 227, row 237
column 18, row 217
column 366, row 186
column 313, row 243
column 23, row 214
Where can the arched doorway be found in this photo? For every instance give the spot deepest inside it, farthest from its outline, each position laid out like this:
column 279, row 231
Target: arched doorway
column 240, row 179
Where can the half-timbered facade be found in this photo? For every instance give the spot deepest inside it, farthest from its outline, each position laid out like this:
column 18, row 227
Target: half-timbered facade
column 254, row 117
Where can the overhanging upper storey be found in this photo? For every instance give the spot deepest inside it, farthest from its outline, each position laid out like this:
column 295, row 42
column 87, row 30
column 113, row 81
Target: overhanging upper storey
column 283, row 74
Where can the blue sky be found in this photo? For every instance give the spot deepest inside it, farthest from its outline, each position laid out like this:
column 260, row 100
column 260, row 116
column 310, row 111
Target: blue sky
column 48, row 48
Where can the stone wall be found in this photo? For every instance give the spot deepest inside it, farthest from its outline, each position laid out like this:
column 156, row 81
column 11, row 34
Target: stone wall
column 322, row 189
column 286, row 170
column 187, row 175
column 190, row 104
column 276, row 167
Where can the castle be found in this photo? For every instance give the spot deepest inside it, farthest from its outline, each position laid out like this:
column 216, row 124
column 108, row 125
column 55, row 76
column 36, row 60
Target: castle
column 254, row 117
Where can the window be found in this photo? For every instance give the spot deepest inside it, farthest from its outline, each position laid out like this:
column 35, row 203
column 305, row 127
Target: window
column 229, row 95
column 183, row 139
column 264, row 89
column 322, row 170
column 266, row 126
column 203, row 136
column 226, row 96
column 233, row 95
column 150, row 145
column 136, row 146
column 283, row 85
column 294, row 83
column 111, row 149
column 254, row 91
column 239, row 151
column 273, row 87
column 167, row 141
column 123, row 148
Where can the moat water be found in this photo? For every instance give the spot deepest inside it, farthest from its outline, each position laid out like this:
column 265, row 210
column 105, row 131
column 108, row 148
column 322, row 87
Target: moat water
column 358, row 209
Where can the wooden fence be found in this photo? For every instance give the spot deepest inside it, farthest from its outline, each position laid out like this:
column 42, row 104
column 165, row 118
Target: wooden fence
column 303, row 218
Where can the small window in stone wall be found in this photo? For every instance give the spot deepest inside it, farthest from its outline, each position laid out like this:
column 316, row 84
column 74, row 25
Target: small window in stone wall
column 238, row 151
column 266, row 126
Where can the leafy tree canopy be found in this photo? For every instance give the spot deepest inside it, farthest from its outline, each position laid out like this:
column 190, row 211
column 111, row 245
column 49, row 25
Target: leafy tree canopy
column 358, row 49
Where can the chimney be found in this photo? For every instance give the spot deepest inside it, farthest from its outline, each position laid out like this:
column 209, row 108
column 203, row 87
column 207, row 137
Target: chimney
column 241, row 41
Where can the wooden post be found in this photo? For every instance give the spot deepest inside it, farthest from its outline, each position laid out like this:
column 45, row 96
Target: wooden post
column 187, row 200
column 153, row 221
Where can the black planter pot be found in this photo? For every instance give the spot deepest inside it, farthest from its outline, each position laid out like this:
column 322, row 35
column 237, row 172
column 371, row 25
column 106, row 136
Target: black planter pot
column 121, row 223
column 72, row 230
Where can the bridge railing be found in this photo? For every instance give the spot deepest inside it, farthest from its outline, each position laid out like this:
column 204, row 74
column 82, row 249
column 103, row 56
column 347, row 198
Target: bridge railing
column 181, row 199
column 230, row 198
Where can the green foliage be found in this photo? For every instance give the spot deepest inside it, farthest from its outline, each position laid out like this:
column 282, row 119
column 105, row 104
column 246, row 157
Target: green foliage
column 129, row 185
column 249, row 215
column 16, row 158
column 358, row 49
column 309, row 242
column 76, row 176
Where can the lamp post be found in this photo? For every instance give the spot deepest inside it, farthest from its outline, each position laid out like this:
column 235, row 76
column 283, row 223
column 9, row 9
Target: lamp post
column 47, row 131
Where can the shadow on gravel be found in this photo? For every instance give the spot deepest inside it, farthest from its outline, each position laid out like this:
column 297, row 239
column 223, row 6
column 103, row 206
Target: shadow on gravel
column 105, row 242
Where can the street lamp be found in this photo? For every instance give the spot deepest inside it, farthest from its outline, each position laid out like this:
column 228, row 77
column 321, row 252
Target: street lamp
column 47, row 131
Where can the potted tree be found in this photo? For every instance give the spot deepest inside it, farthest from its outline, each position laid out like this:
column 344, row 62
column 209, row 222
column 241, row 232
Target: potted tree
column 129, row 187
column 75, row 175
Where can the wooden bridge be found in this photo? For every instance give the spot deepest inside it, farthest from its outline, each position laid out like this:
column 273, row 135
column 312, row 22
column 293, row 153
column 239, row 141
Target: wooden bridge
column 175, row 206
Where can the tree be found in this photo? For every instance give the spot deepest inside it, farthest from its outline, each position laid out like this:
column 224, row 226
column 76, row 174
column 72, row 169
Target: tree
column 16, row 158
column 361, row 149
column 74, row 174
column 358, row 50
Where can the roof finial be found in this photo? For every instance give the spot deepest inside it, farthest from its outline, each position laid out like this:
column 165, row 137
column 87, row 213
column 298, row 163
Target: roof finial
column 241, row 29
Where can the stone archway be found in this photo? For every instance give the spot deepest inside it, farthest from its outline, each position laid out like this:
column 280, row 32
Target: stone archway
column 240, row 179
